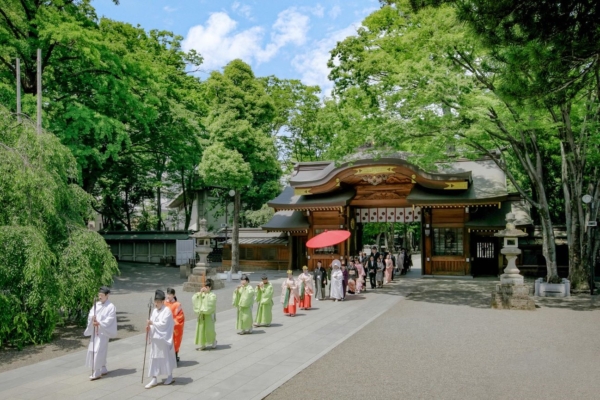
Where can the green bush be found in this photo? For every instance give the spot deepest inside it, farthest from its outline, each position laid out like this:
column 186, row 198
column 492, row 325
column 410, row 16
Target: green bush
column 50, row 264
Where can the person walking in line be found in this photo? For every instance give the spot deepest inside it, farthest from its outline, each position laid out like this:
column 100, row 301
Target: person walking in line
column 178, row 317
column 389, row 266
column 264, row 298
column 160, row 334
column 289, row 294
column 352, row 276
column 320, row 279
column 205, row 307
column 379, row 272
column 401, row 258
column 101, row 326
column 346, row 277
column 243, row 299
column 372, row 270
column 361, row 275
column 337, row 279
column 305, row 289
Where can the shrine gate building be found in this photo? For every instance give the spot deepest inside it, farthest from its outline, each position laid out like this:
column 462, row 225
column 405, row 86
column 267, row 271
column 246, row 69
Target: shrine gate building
column 460, row 207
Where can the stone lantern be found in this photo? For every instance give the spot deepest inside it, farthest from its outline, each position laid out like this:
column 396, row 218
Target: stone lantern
column 511, row 293
column 202, row 270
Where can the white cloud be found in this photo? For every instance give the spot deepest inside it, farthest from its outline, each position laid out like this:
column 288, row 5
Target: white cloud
column 219, row 42
column 242, row 9
column 169, row 9
column 318, row 11
column 335, row 11
column 312, row 65
column 365, row 11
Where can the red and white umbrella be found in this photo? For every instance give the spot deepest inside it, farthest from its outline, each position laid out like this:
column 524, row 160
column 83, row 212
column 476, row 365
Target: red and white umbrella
column 328, row 238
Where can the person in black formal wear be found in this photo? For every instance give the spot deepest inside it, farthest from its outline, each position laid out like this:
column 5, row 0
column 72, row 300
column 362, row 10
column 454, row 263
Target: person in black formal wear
column 372, row 269
column 320, row 277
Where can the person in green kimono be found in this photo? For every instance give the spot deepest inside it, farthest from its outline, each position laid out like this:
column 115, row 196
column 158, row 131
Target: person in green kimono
column 243, row 299
column 205, row 306
column 264, row 298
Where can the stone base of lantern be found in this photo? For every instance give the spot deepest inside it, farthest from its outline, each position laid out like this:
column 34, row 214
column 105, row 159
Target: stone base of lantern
column 197, row 278
column 511, row 279
column 509, row 296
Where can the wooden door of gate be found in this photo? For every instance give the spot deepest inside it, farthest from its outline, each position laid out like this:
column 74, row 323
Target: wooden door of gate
column 485, row 250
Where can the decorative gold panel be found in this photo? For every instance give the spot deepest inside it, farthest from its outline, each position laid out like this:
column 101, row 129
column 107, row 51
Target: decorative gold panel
column 457, row 186
column 302, row 191
column 374, row 170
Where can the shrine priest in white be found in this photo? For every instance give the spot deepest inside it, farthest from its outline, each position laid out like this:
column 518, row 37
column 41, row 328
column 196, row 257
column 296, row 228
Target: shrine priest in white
column 101, row 326
column 160, row 333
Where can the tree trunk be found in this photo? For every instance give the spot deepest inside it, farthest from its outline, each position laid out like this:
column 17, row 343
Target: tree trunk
column 128, row 214
column 235, row 235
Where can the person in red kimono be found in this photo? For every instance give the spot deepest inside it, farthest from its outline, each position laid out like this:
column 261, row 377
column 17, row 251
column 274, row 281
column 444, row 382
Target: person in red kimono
column 179, row 318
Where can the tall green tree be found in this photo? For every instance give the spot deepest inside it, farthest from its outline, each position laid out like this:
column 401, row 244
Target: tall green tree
column 299, row 122
column 113, row 93
column 550, row 52
column 241, row 154
column 423, row 81
column 49, row 261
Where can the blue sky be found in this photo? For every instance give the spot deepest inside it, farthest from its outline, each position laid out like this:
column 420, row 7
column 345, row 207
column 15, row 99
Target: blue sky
column 286, row 38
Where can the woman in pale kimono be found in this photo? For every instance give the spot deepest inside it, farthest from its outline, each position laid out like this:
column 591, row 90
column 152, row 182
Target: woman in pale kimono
column 353, row 276
column 360, row 276
column 389, row 266
column 305, row 289
column 379, row 273
column 289, row 294
column 337, row 279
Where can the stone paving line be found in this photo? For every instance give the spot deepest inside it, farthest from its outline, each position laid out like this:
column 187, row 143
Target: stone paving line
column 242, row 366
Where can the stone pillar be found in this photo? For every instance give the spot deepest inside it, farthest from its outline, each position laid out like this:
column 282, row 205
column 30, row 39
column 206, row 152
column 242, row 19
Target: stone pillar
column 202, row 270
column 511, row 293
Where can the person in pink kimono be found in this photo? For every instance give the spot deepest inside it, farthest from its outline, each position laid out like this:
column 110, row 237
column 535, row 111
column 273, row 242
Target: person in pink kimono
column 289, row 294
column 360, row 280
column 389, row 266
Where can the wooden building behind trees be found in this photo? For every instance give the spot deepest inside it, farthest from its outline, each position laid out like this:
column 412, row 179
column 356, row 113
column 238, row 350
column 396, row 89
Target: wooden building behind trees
column 460, row 207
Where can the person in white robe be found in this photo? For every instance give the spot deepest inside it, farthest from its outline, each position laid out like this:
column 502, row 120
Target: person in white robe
column 337, row 278
column 101, row 326
column 160, row 333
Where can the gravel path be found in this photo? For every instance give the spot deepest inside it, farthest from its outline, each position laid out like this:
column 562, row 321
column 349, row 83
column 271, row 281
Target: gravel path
column 445, row 342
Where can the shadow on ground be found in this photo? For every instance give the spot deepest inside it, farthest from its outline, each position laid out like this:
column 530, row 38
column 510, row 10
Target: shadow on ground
column 144, row 277
column 65, row 339
column 477, row 293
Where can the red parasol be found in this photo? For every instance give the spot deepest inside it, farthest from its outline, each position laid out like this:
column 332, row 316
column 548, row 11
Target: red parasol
column 327, row 238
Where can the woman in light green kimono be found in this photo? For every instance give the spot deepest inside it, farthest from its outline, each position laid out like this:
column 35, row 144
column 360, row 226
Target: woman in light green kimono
column 264, row 298
column 205, row 306
column 243, row 298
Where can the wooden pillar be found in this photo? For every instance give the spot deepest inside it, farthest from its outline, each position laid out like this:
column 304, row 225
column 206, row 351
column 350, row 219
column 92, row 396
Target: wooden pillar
column 290, row 251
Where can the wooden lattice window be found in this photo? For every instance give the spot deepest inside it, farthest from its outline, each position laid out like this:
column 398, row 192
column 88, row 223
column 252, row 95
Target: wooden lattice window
column 448, row 241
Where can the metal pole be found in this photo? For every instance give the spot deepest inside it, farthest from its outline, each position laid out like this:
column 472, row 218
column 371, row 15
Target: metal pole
column 39, row 91
column 18, row 90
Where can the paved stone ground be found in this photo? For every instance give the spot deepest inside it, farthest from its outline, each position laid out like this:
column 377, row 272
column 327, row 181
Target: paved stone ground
column 242, row 367
column 445, row 342
column 418, row 338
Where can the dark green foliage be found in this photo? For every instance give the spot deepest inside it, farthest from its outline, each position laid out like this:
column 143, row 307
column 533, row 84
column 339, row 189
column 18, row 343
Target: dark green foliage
column 50, row 264
column 29, row 287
